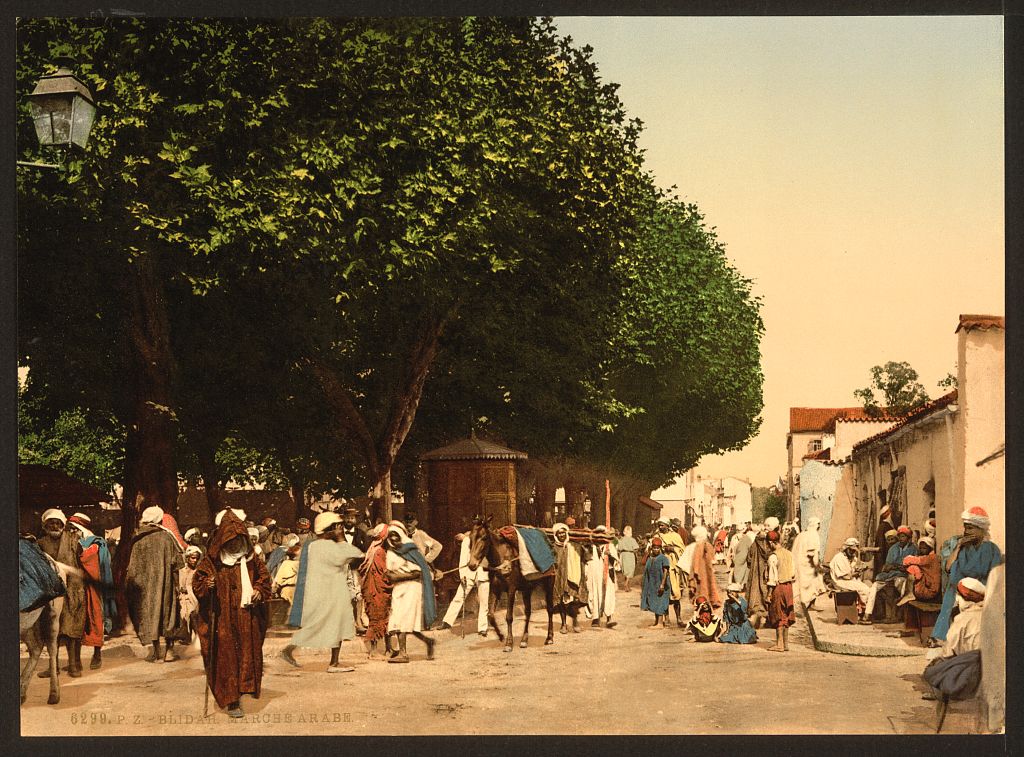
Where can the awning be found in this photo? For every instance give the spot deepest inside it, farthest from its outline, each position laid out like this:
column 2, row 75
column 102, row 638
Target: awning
column 650, row 503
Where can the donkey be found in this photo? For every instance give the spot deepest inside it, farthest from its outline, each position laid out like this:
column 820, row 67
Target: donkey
column 506, row 576
column 41, row 627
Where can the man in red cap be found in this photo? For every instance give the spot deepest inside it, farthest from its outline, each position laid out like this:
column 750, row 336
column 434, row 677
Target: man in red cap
column 946, row 670
column 974, row 556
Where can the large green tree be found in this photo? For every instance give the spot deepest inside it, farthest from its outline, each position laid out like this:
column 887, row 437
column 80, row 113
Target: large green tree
column 454, row 162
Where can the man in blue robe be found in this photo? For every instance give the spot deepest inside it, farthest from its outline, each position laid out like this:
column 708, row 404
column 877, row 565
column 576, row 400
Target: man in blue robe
column 893, row 569
column 973, row 557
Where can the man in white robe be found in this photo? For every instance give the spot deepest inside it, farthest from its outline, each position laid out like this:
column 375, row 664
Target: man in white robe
column 407, row 596
column 601, row 586
column 846, row 569
column 807, row 557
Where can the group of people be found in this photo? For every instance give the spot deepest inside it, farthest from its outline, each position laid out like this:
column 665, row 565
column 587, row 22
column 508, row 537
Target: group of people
column 342, row 578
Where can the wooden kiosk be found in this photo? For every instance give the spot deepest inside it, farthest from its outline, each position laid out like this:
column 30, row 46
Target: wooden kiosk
column 470, row 477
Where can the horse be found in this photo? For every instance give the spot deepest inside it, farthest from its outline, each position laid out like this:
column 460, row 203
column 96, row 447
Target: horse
column 506, row 576
column 41, row 627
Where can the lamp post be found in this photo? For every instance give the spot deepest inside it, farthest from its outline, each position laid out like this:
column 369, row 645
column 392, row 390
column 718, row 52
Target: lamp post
column 63, row 111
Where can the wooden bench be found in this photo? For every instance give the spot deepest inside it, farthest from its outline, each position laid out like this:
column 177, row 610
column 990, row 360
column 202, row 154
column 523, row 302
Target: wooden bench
column 845, row 601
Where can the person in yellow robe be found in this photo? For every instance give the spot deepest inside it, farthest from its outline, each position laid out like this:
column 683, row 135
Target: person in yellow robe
column 672, row 546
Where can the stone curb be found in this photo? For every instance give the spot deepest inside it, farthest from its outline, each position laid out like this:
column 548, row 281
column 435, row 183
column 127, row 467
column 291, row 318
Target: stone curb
column 858, row 650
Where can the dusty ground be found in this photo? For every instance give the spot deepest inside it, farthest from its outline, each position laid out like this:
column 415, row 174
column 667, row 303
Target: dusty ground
column 627, row 680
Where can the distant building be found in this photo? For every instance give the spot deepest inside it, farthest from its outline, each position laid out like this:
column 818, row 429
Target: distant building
column 823, row 433
column 942, row 457
column 696, row 500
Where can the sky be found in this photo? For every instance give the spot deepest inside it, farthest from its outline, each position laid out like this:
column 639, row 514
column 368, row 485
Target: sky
column 853, row 169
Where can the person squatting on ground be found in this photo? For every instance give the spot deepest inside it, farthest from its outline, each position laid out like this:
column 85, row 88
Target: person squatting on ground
column 100, row 608
column 64, row 546
column 412, row 599
column 961, row 646
column 570, row 590
column 781, row 575
column 232, row 587
column 734, row 613
column 653, row 594
column 846, row 568
column 704, row 625
column 151, row 585
column 468, row 581
column 323, row 606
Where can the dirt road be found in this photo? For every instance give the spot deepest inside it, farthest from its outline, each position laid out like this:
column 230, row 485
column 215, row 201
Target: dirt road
column 627, row 680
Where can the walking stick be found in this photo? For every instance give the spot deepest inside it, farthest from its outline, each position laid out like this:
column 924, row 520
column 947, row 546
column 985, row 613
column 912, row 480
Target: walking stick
column 943, row 704
column 213, row 654
column 465, row 593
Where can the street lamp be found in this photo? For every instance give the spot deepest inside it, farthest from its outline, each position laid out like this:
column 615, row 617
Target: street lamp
column 63, row 111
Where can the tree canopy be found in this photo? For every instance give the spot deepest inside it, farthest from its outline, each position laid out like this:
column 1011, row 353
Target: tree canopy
column 294, row 244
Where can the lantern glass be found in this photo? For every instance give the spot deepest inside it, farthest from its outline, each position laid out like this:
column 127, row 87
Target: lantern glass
column 52, row 117
column 82, row 114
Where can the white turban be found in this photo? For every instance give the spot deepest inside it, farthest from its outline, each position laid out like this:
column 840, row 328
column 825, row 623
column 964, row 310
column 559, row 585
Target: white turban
column 853, row 541
column 771, row 523
column 192, row 549
column 927, row 540
column 699, row 533
column 54, row 514
column 240, row 514
column 290, row 541
column 976, row 516
column 153, row 514
column 325, row 520
column 663, row 520
column 190, row 533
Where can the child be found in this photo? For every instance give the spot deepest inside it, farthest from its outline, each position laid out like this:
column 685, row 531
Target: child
column 735, row 614
column 654, row 596
column 704, row 625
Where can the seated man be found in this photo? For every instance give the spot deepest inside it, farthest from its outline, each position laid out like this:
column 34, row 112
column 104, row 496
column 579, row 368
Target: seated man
column 893, row 568
column 944, row 673
column 846, row 569
column 923, row 568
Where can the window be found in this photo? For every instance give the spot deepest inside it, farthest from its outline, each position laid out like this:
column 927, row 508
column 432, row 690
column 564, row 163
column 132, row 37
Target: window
column 814, row 445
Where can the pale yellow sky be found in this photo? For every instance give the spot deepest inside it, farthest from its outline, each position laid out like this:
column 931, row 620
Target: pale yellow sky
column 853, row 167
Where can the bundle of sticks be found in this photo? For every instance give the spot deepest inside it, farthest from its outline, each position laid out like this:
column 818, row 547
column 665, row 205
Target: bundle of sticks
column 575, row 534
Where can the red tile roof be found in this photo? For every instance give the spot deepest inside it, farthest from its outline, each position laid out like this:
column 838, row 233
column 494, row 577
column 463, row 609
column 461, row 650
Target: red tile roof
column 821, row 454
column 913, row 415
column 983, row 322
column 823, row 418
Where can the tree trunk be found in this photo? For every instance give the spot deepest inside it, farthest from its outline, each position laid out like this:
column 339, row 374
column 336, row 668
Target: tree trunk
column 151, row 477
column 380, row 456
column 211, row 478
column 298, row 490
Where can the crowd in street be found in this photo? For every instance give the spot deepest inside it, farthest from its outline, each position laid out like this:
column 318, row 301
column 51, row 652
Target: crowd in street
column 343, row 578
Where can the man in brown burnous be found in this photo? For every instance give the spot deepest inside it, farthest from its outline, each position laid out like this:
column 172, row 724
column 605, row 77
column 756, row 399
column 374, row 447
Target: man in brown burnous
column 232, row 586
column 62, row 545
